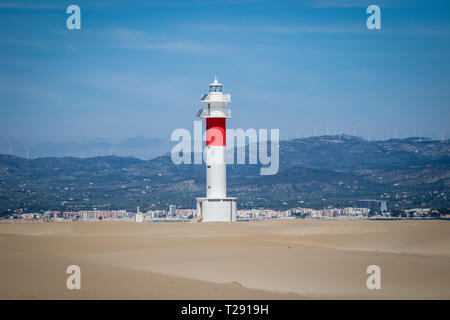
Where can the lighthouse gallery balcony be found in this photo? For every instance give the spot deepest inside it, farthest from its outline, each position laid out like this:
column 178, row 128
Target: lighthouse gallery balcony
column 216, row 97
column 205, row 113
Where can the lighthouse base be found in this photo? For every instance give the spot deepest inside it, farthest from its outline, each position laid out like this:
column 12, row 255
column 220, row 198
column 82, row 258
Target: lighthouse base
column 216, row 209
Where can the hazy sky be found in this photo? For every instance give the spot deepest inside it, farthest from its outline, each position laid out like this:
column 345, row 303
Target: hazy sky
column 138, row 68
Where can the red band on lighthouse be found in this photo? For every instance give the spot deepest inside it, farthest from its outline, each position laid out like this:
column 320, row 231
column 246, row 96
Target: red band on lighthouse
column 215, row 132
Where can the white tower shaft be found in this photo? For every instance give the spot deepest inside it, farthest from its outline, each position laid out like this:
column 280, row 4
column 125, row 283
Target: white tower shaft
column 216, row 206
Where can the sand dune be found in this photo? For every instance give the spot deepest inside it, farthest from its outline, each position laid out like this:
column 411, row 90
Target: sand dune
column 280, row 259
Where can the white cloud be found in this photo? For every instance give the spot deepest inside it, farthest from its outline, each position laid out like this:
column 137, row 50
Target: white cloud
column 29, row 5
column 287, row 29
column 140, row 40
column 362, row 3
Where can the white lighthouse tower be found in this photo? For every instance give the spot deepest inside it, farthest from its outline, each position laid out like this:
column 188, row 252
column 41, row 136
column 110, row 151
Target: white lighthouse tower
column 216, row 206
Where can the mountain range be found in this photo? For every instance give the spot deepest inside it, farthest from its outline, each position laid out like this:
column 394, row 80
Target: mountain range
column 317, row 172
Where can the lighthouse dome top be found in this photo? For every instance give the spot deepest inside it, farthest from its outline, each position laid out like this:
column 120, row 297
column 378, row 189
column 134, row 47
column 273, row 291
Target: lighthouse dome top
column 215, row 86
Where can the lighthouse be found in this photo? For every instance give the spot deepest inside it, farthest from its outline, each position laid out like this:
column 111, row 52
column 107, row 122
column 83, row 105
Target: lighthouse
column 216, row 206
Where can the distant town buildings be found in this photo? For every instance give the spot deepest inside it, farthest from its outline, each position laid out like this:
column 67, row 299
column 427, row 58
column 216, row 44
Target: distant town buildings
column 101, row 214
column 138, row 217
column 365, row 209
column 378, row 206
column 172, row 210
column 418, row 212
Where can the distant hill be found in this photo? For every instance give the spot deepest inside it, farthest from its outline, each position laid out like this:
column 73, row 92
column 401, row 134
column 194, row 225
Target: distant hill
column 314, row 172
column 39, row 147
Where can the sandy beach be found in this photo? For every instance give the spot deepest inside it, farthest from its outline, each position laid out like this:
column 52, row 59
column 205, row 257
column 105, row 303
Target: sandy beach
column 278, row 259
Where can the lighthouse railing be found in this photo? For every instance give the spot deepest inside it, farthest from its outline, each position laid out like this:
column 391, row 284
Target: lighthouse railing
column 213, row 113
column 216, row 97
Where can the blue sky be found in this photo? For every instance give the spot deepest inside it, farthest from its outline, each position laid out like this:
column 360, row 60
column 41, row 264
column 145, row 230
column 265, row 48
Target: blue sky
column 138, row 68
